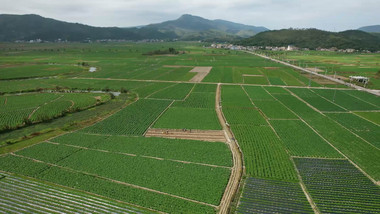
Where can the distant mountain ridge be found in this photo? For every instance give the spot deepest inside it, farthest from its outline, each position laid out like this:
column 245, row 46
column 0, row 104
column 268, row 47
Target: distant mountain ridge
column 314, row 38
column 187, row 27
column 371, row 29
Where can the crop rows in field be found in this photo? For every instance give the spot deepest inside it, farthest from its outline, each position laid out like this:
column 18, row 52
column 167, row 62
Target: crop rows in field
column 74, row 84
column 96, row 185
column 197, row 100
column 274, row 110
column 271, row 196
column 300, row 140
column 188, row 118
column 173, row 149
column 361, row 127
column 37, row 70
column 170, row 177
column 23, row 195
column 345, row 100
column 357, row 150
column 336, row 186
column 33, row 108
column 134, row 119
column 234, row 96
column 258, row 93
column 197, row 111
column 371, row 116
column 370, row 98
column 147, row 90
column 176, row 92
column 264, row 153
column 315, row 100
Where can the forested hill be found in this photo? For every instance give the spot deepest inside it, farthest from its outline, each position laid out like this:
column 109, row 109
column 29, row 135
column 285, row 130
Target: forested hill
column 187, row 27
column 28, row 27
column 314, row 38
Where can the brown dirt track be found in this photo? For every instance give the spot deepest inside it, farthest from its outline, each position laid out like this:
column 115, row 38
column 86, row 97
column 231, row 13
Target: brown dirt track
column 203, row 135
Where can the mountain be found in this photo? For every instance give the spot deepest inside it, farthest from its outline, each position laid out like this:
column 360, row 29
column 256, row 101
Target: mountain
column 314, row 38
column 371, row 29
column 28, row 27
column 187, row 27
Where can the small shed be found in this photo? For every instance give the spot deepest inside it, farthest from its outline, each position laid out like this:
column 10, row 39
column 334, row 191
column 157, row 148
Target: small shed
column 360, row 79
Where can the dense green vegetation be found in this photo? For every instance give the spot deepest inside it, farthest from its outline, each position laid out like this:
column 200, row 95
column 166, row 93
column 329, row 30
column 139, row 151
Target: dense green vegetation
column 102, row 150
column 133, row 120
column 337, row 186
column 314, row 38
column 31, row 197
column 336, row 64
column 263, row 152
column 20, row 110
column 359, row 151
column 171, row 149
column 271, row 196
column 187, row 27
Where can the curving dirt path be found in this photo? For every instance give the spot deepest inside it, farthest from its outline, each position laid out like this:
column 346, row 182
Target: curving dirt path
column 237, row 169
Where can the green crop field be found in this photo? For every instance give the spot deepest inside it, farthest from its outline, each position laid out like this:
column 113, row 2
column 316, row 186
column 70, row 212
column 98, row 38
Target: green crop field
column 74, row 141
column 19, row 110
column 344, row 64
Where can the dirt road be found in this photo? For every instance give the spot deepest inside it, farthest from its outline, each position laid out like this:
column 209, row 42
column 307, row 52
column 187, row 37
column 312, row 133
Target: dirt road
column 237, row 169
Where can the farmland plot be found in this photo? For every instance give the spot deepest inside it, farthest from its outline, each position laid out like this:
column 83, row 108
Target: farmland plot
column 338, row 187
column 17, row 110
column 359, row 126
column 188, row 118
column 359, row 151
column 271, row 196
column 349, row 102
column 188, row 114
column 315, row 100
column 173, row 149
column 132, row 120
column 264, row 153
column 300, row 140
column 176, row 92
column 23, row 195
column 96, row 185
column 197, row 182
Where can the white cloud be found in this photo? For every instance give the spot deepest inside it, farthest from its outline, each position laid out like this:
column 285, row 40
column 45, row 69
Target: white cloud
column 274, row 14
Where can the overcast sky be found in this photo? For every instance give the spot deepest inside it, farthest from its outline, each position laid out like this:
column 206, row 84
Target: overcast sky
column 333, row 15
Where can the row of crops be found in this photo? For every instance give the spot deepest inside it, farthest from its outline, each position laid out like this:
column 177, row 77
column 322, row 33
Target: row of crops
column 26, row 196
column 97, row 185
column 297, row 130
column 336, row 186
column 197, row 111
column 172, row 149
column 133, row 120
column 18, row 110
column 357, row 149
column 170, row 176
column 272, row 196
column 121, row 161
column 264, row 153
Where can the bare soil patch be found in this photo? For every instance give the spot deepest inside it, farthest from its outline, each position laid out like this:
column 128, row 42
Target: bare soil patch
column 315, row 70
column 189, row 134
column 319, row 80
column 339, row 77
column 271, row 68
column 252, row 75
column 202, row 73
column 177, row 66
